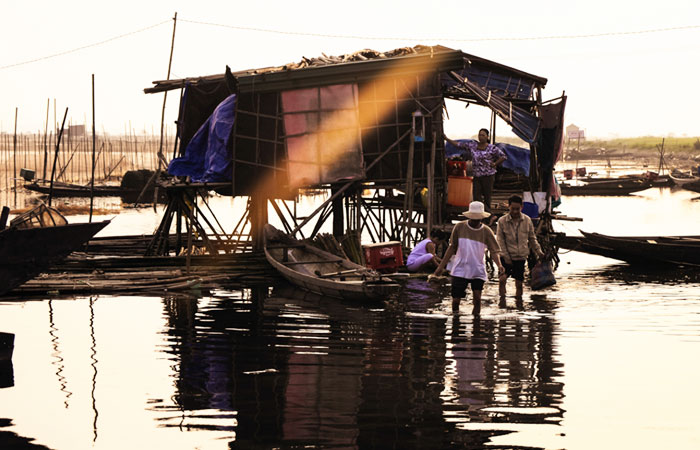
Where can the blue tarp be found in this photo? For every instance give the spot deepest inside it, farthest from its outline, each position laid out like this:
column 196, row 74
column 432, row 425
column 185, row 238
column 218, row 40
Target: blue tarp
column 518, row 158
column 207, row 156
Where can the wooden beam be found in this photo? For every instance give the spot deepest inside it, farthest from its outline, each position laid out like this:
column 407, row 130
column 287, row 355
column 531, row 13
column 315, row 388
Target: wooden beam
column 349, row 183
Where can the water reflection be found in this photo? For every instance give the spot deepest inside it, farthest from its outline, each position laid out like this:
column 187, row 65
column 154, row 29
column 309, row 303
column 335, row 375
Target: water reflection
column 57, row 356
column 7, row 374
column 93, row 364
column 637, row 275
column 298, row 369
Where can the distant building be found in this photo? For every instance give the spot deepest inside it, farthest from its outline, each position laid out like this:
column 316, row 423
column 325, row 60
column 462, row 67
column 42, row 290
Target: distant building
column 76, row 130
column 574, row 132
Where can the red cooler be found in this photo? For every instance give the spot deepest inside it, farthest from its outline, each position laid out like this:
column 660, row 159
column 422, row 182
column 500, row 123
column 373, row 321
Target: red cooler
column 384, row 257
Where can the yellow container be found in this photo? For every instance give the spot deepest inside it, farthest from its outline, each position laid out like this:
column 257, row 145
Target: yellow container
column 459, row 191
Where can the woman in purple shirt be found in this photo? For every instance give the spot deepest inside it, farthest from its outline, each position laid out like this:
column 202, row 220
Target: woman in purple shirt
column 485, row 158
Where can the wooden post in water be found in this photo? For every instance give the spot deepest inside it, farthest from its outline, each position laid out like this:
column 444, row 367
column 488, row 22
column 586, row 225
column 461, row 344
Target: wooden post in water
column 14, row 157
column 408, row 198
column 431, row 187
column 258, row 218
column 338, row 217
column 55, row 158
column 92, row 177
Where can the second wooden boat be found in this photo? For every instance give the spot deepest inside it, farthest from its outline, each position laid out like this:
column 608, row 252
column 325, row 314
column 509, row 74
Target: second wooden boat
column 324, row 273
column 61, row 189
column 609, row 188
column 683, row 179
column 682, row 250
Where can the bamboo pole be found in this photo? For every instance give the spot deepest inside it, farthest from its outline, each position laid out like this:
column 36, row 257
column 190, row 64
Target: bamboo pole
column 408, row 199
column 431, row 187
column 14, row 156
column 92, row 177
column 161, row 156
column 58, row 146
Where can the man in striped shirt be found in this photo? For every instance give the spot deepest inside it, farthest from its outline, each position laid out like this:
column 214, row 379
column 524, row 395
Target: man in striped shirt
column 468, row 243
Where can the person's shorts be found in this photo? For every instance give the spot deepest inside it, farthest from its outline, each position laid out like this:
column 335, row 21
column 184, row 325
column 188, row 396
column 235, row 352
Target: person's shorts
column 515, row 269
column 459, row 286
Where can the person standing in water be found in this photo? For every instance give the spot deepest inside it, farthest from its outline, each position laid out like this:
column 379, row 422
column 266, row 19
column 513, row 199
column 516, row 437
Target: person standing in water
column 469, row 241
column 485, row 159
column 516, row 238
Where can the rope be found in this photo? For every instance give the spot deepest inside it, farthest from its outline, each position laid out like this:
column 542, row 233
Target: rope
column 412, row 38
column 363, row 37
column 66, row 52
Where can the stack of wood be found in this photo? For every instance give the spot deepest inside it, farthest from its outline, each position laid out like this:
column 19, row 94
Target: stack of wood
column 352, row 247
column 349, row 246
column 328, row 243
column 81, row 273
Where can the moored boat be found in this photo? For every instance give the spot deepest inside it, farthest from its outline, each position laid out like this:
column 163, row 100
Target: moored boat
column 639, row 250
column 609, row 187
column 40, row 239
column 61, row 189
column 682, row 179
column 7, row 345
column 324, row 273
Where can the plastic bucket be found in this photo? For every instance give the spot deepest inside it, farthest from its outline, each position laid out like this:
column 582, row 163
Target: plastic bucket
column 459, row 191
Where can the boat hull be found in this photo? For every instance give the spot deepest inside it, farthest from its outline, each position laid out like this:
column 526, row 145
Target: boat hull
column 607, row 188
column 26, row 252
column 360, row 284
column 682, row 182
column 642, row 250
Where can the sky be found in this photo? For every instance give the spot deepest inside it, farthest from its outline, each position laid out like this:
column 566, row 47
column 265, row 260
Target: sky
column 621, row 80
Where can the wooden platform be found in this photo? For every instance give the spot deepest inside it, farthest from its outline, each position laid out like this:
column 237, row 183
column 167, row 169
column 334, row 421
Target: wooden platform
column 110, row 267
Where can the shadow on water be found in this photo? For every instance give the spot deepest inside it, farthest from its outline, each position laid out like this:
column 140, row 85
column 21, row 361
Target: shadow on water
column 634, row 275
column 11, row 441
column 287, row 368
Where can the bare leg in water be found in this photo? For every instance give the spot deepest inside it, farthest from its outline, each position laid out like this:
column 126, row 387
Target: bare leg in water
column 477, row 303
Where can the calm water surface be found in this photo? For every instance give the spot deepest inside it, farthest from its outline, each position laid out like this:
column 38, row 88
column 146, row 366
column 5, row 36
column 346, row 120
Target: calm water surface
column 607, row 358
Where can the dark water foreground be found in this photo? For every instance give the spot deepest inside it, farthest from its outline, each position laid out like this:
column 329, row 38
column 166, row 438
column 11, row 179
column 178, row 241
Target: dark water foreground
column 612, row 364
column 607, row 358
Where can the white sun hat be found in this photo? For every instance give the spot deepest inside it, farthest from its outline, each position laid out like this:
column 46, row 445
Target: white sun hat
column 476, row 211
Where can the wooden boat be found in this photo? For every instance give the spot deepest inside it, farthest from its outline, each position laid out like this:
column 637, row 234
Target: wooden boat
column 694, row 186
column 7, row 344
column 26, row 252
column 128, row 190
column 681, row 179
column 611, row 187
column 681, row 250
column 324, row 273
column 61, row 189
column 653, row 178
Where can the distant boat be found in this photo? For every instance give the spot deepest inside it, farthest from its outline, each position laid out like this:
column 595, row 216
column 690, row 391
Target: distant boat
column 30, row 246
column 61, row 189
column 681, row 178
column 608, row 187
column 638, row 250
column 324, row 273
column 130, row 188
column 653, row 178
